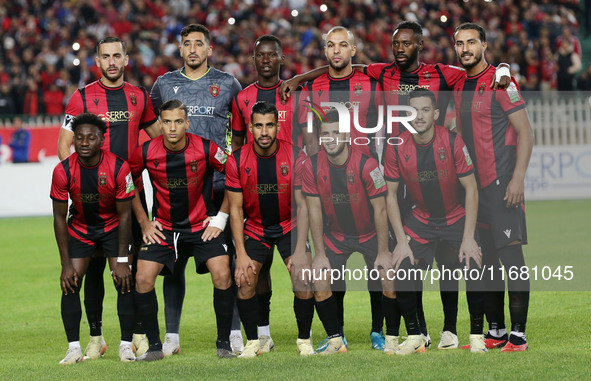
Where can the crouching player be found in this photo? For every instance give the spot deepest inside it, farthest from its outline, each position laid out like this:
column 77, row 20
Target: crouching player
column 101, row 189
column 181, row 168
column 430, row 163
column 260, row 177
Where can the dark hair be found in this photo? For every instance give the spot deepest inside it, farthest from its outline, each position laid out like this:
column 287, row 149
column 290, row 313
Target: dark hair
column 420, row 92
column 263, row 108
column 332, row 116
column 412, row 25
column 173, row 104
column 196, row 28
column 472, row 26
column 88, row 118
column 269, row 38
column 108, row 40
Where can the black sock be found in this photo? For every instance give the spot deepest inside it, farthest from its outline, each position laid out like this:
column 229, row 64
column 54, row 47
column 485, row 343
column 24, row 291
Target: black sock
column 304, row 313
column 146, row 306
column 72, row 313
column 512, row 257
column 249, row 311
column 94, row 293
column 126, row 312
column 392, row 315
column 339, row 297
column 476, row 308
column 223, row 305
column 173, row 290
column 421, row 313
column 449, row 300
column 327, row 312
column 264, row 308
column 236, row 324
column 377, row 313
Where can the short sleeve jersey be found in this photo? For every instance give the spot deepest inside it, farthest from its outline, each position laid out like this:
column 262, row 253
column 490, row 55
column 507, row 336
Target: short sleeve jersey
column 93, row 191
column 431, row 173
column 126, row 109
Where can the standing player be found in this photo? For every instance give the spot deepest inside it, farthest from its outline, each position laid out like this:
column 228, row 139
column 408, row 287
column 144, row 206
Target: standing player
column 181, row 169
column 101, row 188
column 498, row 134
column 208, row 94
column 126, row 109
column 345, row 194
column 432, row 164
column 260, row 178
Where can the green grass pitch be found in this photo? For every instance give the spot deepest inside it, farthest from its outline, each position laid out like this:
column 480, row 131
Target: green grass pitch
column 32, row 340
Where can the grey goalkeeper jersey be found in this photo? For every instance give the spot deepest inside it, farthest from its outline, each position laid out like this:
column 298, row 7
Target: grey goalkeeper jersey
column 209, row 100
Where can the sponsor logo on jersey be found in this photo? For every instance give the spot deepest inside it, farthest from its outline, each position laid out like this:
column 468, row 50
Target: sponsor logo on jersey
column 507, row 233
column 197, row 110
column 221, row 156
column 513, row 93
column 378, row 178
column 175, row 89
column 269, row 188
column 342, row 198
column 467, row 156
column 129, row 186
column 118, row 116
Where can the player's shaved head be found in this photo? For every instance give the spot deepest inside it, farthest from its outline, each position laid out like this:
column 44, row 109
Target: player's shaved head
column 269, row 38
column 350, row 36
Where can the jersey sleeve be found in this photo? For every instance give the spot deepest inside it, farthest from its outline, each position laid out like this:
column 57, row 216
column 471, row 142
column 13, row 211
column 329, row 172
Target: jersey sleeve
column 236, row 87
column 451, row 74
column 391, row 168
column 303, row 106
column 464, row 165
column 137, row 166
column 238, row 122
column 374, row 70
column 73, row 108
column 217, row 157
column 373, row 179
column 232, row 175
column 59, row 184
column 155, row 96
column 148, row 115
column 510, row 99
column 309, row 186
column 125, row 187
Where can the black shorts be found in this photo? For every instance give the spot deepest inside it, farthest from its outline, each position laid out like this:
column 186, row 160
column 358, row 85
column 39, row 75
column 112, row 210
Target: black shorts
column 188, row 244
column 85, row 247
column 261, row 249
column 338, row 252
column 425, row 240
column 136, row 230
column 506, row 224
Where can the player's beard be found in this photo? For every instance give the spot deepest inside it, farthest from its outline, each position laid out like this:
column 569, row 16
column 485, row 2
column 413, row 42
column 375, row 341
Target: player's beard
column 476, row 61
column 194, row 65
column 113, row 77
column 340, row 149
column 410, row 60
column 341, row 65
column 269, row 145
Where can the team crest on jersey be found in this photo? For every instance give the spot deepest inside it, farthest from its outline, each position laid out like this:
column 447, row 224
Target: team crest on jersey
column 214, row 90
column 96, row 101
column 358, row 88
column 427, row 76
column 284, row 169
column 102, row 179
column 193, row 166
column 351, row 177
column 133, row 99
column 481, row 89
column 441, row 153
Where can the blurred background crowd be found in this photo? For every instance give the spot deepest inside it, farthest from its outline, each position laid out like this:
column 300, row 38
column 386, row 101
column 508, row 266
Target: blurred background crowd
column 47, row 47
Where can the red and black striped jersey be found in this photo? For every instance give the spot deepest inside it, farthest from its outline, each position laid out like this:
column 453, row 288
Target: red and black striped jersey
column 438, row 78
column 431, row 173
column 182, row 180
column 126, row 109
column 93, row 191
column 266, row 185
column 345, row 192
column 482, row 118
column 245, row 99
column 355, row 90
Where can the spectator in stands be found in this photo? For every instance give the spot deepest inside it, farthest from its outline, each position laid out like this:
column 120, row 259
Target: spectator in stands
column 7, row 106
column 20, row 142
column 568, row 64
column 584, row 82
column 54, row 100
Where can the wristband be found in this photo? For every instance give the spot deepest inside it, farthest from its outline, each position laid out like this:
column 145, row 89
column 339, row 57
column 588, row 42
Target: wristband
column 501, row 72
column 122, row 260
column 219, row 220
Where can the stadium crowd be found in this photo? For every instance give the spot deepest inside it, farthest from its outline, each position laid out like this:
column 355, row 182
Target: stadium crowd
column 46, row 49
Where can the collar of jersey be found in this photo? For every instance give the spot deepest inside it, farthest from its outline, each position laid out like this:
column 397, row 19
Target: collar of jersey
column 256, row 84
column 345, row 163
column 342, row 79
column 266, row 157
column 110, row 88
column 94, row 166
column 488, row 67
column 430, row 142
column 187, row 135
column 196, row 79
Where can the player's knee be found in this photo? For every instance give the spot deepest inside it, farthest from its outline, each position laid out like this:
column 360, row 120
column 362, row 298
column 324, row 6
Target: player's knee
column 221, row 278
column 304, row 294
column 246, row 291
column 144, row 282
column 321, row 296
